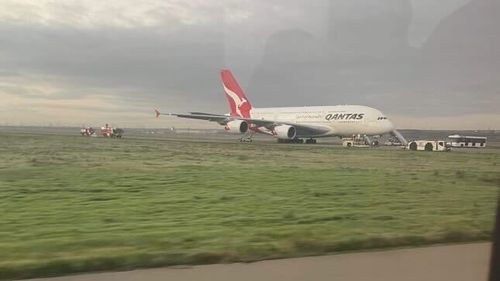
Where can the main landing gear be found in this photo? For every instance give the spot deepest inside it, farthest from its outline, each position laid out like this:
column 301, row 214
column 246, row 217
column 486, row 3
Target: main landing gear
column 311, row 141
column 246, row 138
column 297, row 140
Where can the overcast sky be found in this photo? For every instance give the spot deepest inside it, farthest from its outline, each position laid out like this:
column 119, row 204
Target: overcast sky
column 425, row 63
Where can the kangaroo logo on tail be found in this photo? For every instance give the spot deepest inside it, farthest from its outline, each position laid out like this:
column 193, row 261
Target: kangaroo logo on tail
column 238, row 102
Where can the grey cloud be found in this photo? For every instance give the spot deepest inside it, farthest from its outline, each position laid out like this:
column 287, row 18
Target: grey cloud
column 363, row 56
column 149, row 60
column 369, row 61
column 370, row 27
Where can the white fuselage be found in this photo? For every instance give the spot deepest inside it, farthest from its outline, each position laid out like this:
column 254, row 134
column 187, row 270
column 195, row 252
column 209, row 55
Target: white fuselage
column 343, row 120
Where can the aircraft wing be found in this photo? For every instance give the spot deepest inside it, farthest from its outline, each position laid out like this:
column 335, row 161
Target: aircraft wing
column 221, row 119
column 302, row 129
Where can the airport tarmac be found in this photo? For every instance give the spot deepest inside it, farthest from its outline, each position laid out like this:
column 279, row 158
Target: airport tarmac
column 465, row 262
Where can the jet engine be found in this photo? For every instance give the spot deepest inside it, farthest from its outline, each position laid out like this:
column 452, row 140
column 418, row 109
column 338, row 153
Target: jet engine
column 285, row 132
column 237, row 126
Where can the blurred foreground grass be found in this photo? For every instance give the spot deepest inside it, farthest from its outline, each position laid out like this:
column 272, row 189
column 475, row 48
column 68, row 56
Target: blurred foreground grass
column 73, row 204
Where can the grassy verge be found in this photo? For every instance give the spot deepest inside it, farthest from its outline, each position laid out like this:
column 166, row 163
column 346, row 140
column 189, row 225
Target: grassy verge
column 71, row 204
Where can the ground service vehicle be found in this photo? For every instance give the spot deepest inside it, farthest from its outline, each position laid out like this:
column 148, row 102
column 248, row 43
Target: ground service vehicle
column 87, row 132
column 428, row 145
column 111, row 132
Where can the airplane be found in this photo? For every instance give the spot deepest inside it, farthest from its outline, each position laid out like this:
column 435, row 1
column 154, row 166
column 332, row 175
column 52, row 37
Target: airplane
column 293, row 124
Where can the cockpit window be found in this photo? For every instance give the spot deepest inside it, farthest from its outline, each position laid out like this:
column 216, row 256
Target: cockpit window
column 382, row 118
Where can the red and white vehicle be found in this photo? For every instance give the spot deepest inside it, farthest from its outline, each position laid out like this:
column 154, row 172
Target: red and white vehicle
column 111, row 132
column 106, row 131
column 87, row 132
column 293, row 124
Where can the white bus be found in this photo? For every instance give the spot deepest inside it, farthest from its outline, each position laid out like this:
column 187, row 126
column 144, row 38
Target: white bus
column 467, row 141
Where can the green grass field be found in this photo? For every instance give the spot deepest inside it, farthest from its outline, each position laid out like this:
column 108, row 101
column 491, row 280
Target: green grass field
column 73, row 204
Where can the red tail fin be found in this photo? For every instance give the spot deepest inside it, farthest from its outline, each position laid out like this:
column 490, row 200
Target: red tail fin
column 238, row 102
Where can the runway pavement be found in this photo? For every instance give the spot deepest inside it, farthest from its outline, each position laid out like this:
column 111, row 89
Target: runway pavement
column 465, row 262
